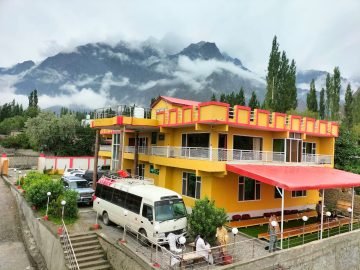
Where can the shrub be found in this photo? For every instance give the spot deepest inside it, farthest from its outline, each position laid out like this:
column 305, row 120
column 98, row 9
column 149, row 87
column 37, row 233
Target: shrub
column 38, row 185
column 71, row 208
column 205, row 218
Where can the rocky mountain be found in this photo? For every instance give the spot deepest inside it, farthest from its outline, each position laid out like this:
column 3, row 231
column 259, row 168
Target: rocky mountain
column 96, row 75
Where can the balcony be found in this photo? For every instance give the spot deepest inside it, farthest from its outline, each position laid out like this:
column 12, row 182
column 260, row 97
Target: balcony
column 105, row 148
column 225, row 155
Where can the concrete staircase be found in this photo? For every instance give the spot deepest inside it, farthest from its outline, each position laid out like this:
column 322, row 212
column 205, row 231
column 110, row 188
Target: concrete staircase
column 88, row 252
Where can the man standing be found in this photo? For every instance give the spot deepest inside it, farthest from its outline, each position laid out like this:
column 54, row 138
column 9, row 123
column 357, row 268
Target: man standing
column 273, row 232
column 318, row 210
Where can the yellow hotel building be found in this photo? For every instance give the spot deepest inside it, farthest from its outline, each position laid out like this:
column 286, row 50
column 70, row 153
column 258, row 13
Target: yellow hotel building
column 190, row 146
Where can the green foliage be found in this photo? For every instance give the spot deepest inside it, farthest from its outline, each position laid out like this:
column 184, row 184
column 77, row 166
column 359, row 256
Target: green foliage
column 15, row 123
column 213, row 97
column 37, row 185
column 336, row 94
column 253, row 102
column 356, row 107
column 322, row 104
column 205, row 218
column 328, row 89
column 311, row 100
column 281, row 93
column 10, row 109
column 19, row 141
column 71, row 209
column 347, row 150
column 240, row 99
column 61, row 135
column 348, row 107
column 305, row 113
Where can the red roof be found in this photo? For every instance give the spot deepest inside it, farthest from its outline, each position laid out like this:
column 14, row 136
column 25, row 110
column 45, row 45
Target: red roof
column 178, row 101
column 297, row 177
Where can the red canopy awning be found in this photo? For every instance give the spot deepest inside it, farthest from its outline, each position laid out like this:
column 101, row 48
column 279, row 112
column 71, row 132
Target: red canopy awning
column 297, row 177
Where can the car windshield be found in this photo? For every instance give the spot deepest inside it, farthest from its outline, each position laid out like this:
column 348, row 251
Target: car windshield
column 169, row 209
column 79, row 184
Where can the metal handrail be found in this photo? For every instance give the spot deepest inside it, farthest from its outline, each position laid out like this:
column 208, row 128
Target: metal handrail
column 70, row 253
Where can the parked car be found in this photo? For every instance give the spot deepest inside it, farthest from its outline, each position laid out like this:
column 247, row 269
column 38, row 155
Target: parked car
column 73, row 172
column 81, row 186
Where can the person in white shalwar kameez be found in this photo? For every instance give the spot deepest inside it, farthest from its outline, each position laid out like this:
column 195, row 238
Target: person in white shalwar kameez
column 203, row 249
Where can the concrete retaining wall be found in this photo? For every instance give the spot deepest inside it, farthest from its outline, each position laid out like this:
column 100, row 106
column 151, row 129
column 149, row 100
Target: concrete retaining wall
column 120, row 257
column 47, row 242
column 336, row 253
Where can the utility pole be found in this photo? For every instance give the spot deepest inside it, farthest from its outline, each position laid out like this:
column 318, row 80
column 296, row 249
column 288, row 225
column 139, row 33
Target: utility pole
column 96, row 157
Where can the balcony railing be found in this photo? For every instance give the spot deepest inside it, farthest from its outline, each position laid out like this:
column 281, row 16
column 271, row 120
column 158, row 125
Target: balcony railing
column 105, row 148
column 220, row 154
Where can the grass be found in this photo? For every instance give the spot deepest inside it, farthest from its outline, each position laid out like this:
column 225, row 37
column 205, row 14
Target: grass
column 56, row 219
column 255, row 230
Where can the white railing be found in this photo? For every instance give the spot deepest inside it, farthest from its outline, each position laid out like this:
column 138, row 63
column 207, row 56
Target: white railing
column 141, row 149
column 220, row 154
column 122, row 110
column 68, row 249
column 105, row 148
column 317, row 159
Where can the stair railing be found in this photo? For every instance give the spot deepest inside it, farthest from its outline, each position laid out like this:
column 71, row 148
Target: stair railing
column 68, row 249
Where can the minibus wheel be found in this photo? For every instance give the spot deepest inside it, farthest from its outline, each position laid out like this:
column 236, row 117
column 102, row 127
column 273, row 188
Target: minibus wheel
column 105, row 218
column 142, row 237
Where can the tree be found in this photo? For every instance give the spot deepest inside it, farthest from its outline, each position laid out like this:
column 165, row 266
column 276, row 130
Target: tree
column 222, row 98
column 205, row 218
column 336, row 86
column 241, row 97
column 348, row 119
column 281, row 94
column 311, row 100
column 213, row 97
column 356, row 107
column 328, row 89
column 322, row 104
column 253, row 102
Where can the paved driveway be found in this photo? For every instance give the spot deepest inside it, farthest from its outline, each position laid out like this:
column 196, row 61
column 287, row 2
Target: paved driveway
column 13, row 255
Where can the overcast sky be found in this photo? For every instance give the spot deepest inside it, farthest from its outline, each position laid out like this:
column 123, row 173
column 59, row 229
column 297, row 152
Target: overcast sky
column 317, row 34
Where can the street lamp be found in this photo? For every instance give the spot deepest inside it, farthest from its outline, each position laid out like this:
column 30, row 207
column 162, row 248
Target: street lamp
column 124, row 234
column 328, row 215
column 234, row 232
column 350, row 212
column 47, row 205
column 63, row 206
column 18, row 179
column 304, row 218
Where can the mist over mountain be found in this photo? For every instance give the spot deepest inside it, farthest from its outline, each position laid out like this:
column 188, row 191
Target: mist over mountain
column 96, row 75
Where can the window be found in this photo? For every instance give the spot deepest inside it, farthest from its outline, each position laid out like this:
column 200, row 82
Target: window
column 116, row 152
column 169, row 209
column 133, row 203
column 106, row 193
column 119, row 197
column 191, row 185
column 309, row 148
column 294, row 135
column 277, row 194
column 141, row 171
column 147, row 212
column 153, row 137
column 98, row 190
column 298, row 193
column 249, row 189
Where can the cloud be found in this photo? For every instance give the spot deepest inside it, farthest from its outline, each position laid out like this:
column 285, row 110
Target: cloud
column 7, row 92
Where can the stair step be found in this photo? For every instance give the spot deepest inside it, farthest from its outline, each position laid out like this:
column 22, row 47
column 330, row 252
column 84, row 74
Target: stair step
column 83, row 238
column 73, row 235
column 90, row 258
column 85, row 243
column 93, row 263
column 99, row 267
column 88, row 248
column 88, row 253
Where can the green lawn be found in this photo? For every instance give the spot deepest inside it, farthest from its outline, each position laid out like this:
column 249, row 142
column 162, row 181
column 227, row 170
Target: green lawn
column 255, row 230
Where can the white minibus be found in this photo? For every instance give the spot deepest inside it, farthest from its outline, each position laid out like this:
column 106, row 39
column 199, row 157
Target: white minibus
column 141, row 206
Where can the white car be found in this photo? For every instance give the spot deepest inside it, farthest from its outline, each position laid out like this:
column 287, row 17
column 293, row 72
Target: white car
column 74, row 172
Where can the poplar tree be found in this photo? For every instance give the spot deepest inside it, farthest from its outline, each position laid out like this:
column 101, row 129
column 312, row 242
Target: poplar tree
column 322, row 104
column 336, row 86
column 241, row 97
column 328, row 89
column 253, row 102
column 348, row 119
column 311, row 100
column 281, row 93
column 213, row 97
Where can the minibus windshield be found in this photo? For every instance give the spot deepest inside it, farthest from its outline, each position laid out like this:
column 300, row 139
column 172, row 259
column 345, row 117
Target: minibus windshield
column 169, row 209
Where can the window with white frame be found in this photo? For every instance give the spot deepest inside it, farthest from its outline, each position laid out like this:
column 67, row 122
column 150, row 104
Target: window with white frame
column 191, row 185
column 309, row 148
column 115, row 153
column 298, row 193
column 141, row 170
column 249, row 189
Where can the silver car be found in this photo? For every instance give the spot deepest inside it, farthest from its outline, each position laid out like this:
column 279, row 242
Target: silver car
column 81, row 186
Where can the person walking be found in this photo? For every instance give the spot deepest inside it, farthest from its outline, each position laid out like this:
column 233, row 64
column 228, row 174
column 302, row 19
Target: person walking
column 273, row 232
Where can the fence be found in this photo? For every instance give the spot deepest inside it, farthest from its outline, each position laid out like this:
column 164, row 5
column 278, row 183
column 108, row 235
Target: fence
column 68, row 249
column 23, row 162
